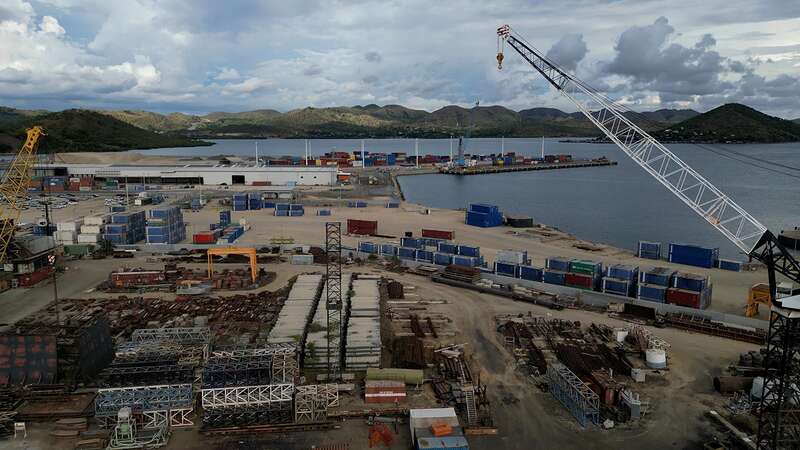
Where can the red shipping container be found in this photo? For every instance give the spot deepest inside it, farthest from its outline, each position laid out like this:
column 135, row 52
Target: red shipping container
column 439, row 234
column 262, row 183
column 579, row 279
column 380, row 391
column 86, row 181
column 29, row 279
column 363, row 227
column 683, row 297
column 206, row 237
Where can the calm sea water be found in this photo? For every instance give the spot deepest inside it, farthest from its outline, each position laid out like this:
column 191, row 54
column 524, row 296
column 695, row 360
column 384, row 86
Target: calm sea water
column 617, row 205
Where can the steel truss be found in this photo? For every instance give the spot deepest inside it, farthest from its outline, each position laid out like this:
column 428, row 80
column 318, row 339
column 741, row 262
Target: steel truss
column 141, row 375
column 199, row 335
column 311, row 402
column 144, row 398
column 284, row 359
column 779, row 422
column 221, row 372
column 333, row 300
column 574, row 394
column 173, row 418
column 247, row 405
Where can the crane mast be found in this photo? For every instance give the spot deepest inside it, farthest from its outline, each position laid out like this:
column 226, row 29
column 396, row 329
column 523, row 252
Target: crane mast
column 14, row 186
column 778, row 427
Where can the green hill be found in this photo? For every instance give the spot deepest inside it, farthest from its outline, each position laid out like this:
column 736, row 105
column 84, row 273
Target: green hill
column 733, row 123
column 76, row 130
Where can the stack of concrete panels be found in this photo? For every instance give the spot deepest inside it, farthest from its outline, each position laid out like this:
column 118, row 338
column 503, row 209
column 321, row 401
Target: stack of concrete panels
column 316, row 354
column 363, row 342
column 92, row 229
column 296, row 313
column 67, row 232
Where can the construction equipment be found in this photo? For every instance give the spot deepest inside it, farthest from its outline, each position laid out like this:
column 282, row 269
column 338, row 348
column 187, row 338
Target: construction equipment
column 224, row 251
column 759, row 295
column 14, row 186
column 333, row 296
column 779, row 425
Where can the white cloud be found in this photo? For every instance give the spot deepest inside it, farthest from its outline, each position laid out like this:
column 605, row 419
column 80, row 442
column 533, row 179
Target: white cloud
column 50, row 25
column 227, row 73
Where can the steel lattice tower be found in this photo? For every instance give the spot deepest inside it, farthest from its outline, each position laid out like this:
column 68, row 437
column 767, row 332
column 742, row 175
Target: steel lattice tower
column 333, row 298
column 779, row 421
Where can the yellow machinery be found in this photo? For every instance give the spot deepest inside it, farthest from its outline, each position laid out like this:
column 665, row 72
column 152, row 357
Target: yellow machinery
column 248, row 251
column 14, row 187
column 759, row 295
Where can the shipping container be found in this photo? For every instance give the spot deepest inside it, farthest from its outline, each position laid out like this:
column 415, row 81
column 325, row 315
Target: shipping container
column 623, row 272
column 652, row 292
column 296, row 212
column 424, row 256
column 618, row 286
column 445, row 247
column 689, row 281
column 689, row 299
column 512, row 256
column 530, row 273
column 477, row 219
column 407, row 253
column 323, row 212
column 468, row 261
column 465, row 250
column 483, row 208
column 362, row 227
column 442, row 259
column 649, row 250
column 661, row 276
column 368, row 247
column 585, row 267
column 388, row 249
column 581, row 281
column 693, row 255
column 729, row 264
column 447, row 235
column 557, row 263
column 506, row 269
column 552, row 276
column 392, row 205
column 411, row 242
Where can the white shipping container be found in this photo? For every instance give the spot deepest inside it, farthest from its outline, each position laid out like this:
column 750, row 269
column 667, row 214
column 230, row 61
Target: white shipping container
column 72, row 225
column 511, row 256
column 65, row 241
column 302, row 259
column 65, row 235
column 84, row 238
column 92, row 229
column 96, row 220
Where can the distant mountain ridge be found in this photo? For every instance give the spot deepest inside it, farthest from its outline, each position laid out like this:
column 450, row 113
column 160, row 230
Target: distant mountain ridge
column 732, row 123
column 384, row 121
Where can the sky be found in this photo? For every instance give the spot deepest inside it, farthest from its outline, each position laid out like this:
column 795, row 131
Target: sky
column 198, row 56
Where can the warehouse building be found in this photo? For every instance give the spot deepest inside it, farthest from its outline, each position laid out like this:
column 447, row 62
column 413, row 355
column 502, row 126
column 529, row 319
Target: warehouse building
column 198, row 174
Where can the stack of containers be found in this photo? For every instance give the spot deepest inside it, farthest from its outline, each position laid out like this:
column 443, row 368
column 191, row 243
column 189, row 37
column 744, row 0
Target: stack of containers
column 410, row 242
column 530, row 273
column 368, row 247
column 282, row 209
column 653, row 284
column 224, row 218
column 207, row 237
column 693, row 255
column 649, row 250
column 468, row 256
column 690, row 290
column 239, row 202
column 424, row 256
column 389, row 250
column 254, row 201
column 125, row 228
column 289, row 210
column 316, row 344
column 584, row 274
column 555, row 270
column 67, row 232
column 296, row 210
column 407, row 253
column 442, row 259
column 509, row 262
column 229, row 235
column 165, row 226
column 291, row 325
column 92, row 229
column 620, row 279
column 483, row 215
column 447, row 247
column 363, row 339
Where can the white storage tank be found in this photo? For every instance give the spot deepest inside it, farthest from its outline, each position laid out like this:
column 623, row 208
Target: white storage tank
column 758, row 387
column 656, row 358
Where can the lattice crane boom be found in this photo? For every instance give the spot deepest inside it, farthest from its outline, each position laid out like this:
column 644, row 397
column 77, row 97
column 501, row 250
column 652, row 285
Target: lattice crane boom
column 14, row 186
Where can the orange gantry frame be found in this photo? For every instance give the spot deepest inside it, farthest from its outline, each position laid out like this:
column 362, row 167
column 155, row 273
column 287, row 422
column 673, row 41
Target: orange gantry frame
column 249, row 251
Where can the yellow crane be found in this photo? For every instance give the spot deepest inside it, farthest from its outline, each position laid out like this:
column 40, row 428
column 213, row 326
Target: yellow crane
column 223, row 251
column 14, row 186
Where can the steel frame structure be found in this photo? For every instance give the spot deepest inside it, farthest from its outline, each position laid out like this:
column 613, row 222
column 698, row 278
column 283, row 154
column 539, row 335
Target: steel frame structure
column 333, row 297
column 127, row 436
column 311, row 402
column 172, row 418
column 239, row 396
column 145, row 398
column 574, row 394
column 246, row 371
column 284, row 359
column 118, row 376
column 14, row 187
column 779, row 421
column 199, row 335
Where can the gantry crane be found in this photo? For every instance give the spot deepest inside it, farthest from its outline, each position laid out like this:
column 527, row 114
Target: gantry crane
column 250, row 252
column 14, row 186
column 779, row 424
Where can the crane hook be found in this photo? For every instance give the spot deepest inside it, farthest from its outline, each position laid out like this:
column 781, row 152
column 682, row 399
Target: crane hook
column 500, row 60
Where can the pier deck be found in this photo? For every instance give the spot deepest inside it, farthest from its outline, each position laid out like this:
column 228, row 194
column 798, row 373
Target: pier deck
column 477, row 170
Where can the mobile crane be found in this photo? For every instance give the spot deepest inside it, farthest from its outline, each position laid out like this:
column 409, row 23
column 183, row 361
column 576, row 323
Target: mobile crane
column 778, row 424
column 14, row 186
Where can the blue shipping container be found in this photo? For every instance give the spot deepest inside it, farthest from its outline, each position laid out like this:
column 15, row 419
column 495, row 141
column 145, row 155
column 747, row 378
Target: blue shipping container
column 282, row 212
column 467, row 261
column 442, row 259
column 689, row 281
column 393, row 205
column 410, row 242
column 388, row 249
column 483, row 220
column 660, row 276
column 407, row 253
column 506, row 269
column 424, row 255
column 268, row 205
column 530, row 273
column 693, row 255
column 483, row 208
column 729, row 264
column 560, row 264
column 622, row 271
column 617, row 286
column 296, row 213
column 465, row 250
column 367, row 247
column 445, row 247
column 553, row 276
column 324, row 212
column 653, row 293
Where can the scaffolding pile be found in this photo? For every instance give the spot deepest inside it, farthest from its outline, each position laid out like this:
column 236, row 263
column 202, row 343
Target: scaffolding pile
column 316, row 345
column 363, row 339
column 242, row 406
column 297, row 310
column 574, row 394
column 454, row 386
column 311, row 402
column 157, row 356
column 170, row 404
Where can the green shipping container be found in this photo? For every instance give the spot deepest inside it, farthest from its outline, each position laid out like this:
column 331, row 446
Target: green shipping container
column 584, row 267
column 407, row 376
column 78, row 249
